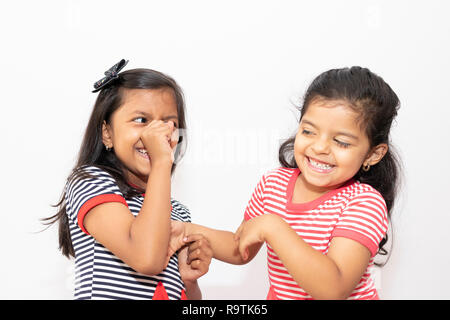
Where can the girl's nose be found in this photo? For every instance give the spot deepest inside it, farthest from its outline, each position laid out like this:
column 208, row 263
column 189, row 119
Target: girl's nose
column 321, row 146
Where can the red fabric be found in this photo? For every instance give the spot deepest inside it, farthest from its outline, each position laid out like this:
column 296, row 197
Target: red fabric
column 160, row 292
column 271, row 294
column 355, row 211
column 95, row 201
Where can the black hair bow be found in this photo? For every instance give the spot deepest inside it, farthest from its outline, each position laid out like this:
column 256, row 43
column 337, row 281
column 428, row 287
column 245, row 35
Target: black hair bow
column 111, row 74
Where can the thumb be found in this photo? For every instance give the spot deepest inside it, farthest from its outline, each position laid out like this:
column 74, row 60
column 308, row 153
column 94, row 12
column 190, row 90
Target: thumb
column 237, row 234
column 243, row 251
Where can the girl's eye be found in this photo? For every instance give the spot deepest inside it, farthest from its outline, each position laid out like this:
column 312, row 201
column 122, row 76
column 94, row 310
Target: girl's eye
column 140, row 120
column 342, row 144
column 307, row 132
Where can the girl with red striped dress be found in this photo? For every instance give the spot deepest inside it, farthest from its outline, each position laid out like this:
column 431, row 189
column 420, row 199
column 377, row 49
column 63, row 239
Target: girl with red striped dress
column 324, row 214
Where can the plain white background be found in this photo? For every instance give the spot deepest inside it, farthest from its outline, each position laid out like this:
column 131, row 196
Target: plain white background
column 243, row 65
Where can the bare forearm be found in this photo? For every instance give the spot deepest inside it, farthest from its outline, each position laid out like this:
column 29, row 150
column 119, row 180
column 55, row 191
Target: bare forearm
column 193, row 291
column 316, row 273
column 150, row 231
column 223, row 245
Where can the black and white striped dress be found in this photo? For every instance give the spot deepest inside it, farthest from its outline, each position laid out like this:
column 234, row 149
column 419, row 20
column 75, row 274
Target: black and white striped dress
column 99, row 274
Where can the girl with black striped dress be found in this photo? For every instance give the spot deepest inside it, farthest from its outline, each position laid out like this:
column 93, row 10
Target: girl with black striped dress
column 116, row 209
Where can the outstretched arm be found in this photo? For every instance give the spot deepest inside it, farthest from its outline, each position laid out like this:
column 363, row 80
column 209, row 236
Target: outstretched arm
column 223, row 244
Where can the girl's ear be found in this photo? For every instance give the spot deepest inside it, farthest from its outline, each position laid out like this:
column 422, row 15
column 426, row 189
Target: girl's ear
column 106, row 135
column 376, row 154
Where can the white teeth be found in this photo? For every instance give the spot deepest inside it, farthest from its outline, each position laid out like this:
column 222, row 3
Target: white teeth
column 143, row 151
column 320, row 165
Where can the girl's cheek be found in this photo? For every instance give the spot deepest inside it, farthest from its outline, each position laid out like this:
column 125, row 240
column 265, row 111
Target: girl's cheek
column 298, row 144
column 133, row 133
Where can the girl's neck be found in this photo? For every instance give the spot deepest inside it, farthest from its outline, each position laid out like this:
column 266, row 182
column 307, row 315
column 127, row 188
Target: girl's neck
column 136, row 182
column 304, row 192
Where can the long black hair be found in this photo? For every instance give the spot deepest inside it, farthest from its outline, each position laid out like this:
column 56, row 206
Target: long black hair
column 369, row 95
column 92, row 150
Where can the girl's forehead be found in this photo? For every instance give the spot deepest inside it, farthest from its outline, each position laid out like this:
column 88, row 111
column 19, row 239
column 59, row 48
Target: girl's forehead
column 334, row 115
column 330, row 103
column 342, row 108
column 149, row 101
column 164, row 95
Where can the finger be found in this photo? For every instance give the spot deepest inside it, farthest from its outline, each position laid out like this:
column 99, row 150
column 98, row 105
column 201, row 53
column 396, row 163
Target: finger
column 159, row 125
column 194, row 237
column 155, row 124
column 174, row 138
column 182, row 256
column 237, row 234
column 243, row 251
column 196, row 264
column 162, row 130
column 197, row 254
column 200, row 254
column 199, row 243
column 200, row 249
column 200, row 266
column 170, row 124
column 203, row 245
column 173, row 248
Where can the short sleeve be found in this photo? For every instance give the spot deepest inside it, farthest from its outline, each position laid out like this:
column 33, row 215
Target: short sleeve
column 364, row 219
column 89, row 188
column 180, row 212
column 255, row 206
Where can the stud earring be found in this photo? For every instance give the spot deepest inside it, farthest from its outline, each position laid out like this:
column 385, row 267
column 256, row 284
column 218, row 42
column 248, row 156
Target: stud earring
column 107, row 148
column 366, row 167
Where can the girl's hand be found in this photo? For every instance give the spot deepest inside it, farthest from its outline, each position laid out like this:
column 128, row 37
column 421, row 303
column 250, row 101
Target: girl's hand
column 195, row 258
column 251, row 232
column 177, row 238
column 160, row 139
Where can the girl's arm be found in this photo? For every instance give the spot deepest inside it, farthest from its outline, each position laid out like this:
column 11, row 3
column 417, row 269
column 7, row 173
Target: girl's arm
column 224, row 246
column 142, row 241
column 193, row 291
column 331, row 276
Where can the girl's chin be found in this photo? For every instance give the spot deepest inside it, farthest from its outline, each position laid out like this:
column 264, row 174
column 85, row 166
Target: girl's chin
column 317, row 179
column 139, row 175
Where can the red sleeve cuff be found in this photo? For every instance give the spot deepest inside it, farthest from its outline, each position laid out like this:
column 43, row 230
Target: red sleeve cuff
column 93, row 202
column 362, row 239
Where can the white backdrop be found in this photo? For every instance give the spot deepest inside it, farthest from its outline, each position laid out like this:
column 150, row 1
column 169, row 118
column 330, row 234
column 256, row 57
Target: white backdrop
column 243, row 66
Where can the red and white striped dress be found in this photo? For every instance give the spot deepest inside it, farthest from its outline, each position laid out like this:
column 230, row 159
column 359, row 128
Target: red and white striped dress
column 356, row 211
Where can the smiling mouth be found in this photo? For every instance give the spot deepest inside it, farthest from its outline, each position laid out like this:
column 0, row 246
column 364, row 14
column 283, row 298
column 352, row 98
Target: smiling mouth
column 143, row 153
column 319, row 166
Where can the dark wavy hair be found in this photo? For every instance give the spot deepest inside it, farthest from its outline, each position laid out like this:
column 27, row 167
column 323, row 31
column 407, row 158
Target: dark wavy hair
column 375, row 101
column 92, row 151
